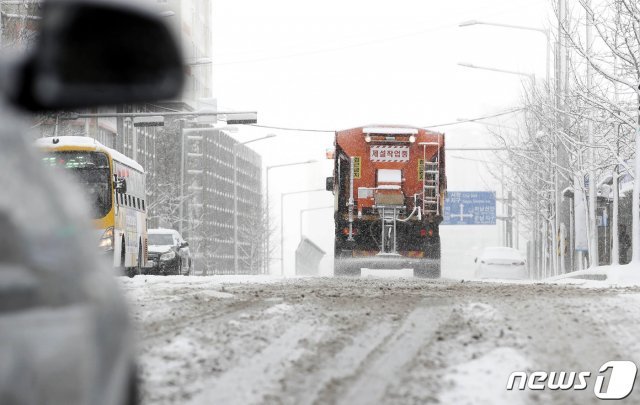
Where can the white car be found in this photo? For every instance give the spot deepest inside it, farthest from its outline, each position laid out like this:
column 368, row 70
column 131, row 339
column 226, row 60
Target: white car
column 501, row 263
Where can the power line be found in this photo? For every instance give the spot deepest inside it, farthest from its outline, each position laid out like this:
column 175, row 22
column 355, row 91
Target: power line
column 471, row 159
column 293, row 129
column 429, row 126
column 475, row 119
column 338, row 48
column 447, row 25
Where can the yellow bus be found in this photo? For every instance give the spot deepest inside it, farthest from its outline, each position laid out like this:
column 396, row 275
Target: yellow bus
column 115, row 185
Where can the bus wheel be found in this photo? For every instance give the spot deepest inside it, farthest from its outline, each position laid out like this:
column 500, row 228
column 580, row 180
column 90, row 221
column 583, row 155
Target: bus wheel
column 139, row 266
column 126, row 270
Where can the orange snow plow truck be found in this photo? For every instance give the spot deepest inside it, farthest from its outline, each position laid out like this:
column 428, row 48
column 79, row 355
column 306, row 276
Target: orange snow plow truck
column 389, row 185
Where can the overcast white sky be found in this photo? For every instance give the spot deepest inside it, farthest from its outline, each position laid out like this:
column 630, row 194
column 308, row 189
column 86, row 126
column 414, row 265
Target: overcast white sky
column 340, row 64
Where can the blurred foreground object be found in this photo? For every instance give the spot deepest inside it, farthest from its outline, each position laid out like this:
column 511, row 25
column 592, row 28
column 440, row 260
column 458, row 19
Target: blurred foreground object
column 92, row 53
column 64, row 332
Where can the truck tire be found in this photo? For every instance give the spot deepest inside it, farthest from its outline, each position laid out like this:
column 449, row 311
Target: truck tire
column 428, row 269
column 430, row 266
column 342, row 268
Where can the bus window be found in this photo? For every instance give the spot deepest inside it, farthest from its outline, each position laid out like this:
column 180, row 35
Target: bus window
column 91, row 169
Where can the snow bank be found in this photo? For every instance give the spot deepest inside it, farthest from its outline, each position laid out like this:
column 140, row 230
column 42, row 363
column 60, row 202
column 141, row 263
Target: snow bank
column 198, row 281
column 627, row 275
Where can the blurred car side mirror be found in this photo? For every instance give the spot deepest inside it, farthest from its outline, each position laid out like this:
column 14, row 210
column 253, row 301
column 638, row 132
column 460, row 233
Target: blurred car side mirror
column 184, row 244
column 91, row 53
column 475, row 260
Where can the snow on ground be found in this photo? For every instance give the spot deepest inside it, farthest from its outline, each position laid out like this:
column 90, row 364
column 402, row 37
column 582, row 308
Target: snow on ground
column 231, row 340
column 627, row 275
column 472, row 382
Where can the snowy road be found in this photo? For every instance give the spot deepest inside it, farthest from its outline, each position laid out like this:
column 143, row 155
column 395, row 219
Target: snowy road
column 316, row 341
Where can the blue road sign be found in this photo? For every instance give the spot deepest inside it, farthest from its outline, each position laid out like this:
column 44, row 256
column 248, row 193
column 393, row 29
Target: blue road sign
column 470, row 208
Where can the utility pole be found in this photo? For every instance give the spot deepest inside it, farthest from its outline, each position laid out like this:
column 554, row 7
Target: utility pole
column 635, row 238
column 615, row 242
column 593, row 198
column 560, row 158
column 181, row 206
column 510, row 219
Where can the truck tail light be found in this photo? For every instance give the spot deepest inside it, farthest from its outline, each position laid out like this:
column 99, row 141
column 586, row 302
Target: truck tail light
column 345, row 231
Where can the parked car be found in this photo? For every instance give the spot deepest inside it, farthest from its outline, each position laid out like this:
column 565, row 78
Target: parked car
column 501, row 263
column 168, row 253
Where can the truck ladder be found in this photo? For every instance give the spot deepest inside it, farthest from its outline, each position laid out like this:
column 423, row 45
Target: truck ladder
column 388, row 216
column 431, row 181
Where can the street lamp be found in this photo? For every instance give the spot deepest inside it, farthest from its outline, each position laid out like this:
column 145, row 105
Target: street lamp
column 235, row 196
column 200, row 61
column 267, row 196
column 547, row 34
column 518, row 27
column 511, row 72
column 282, row 195
column 311, row 209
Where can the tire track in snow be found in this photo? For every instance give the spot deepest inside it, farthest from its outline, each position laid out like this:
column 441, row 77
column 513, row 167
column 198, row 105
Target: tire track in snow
column 342, row 365
column 219, row 314
column 263, row 371
column 389, row 360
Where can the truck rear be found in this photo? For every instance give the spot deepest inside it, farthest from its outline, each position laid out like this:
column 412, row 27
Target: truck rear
column 389, row 184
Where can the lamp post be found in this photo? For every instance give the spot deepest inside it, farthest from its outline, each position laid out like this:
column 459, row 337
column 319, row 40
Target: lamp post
column 302, row 211
column 518, row 27
column 511, row 72
column 200, row 61
column 488, row 124
column 282, row 196
column 267, row 198
column 532, row 78
column 235, row 196
column 560, row 156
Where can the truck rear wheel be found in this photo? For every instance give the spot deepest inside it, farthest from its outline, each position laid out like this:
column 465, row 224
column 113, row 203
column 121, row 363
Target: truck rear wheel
column 428, row 269
column 430, row 266
column 343, row 268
